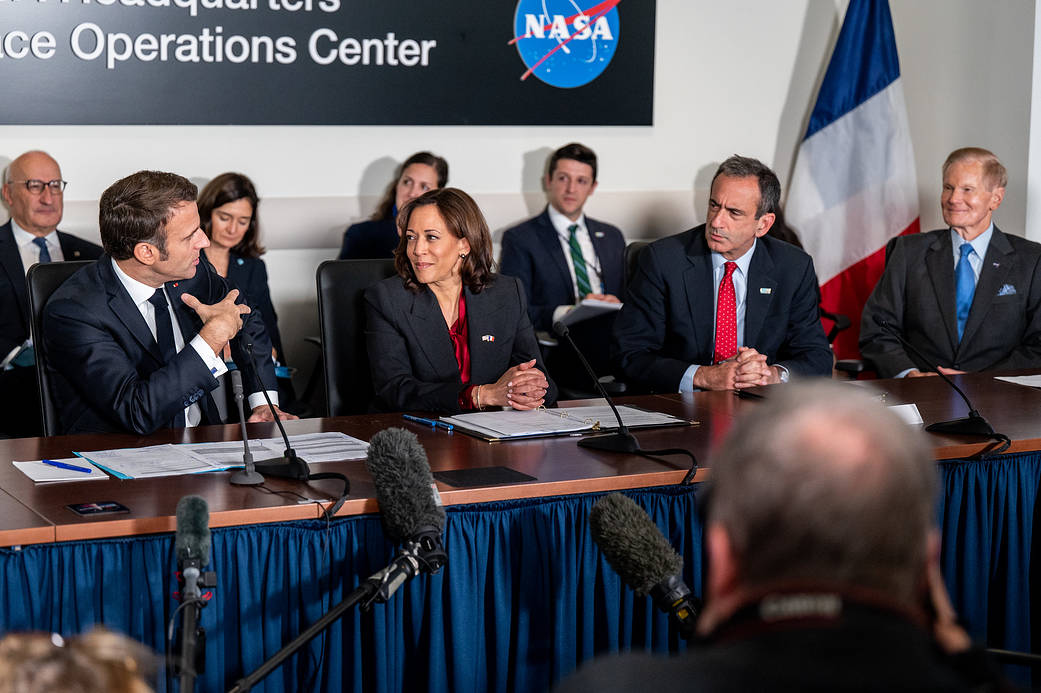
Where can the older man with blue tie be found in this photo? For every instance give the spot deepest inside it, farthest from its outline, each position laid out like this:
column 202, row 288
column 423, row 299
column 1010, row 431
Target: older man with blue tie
column 968, row 297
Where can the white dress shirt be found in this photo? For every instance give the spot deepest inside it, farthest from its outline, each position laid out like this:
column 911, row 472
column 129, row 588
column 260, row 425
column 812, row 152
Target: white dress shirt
column 29, row 251
column 139, row 294
column 561, row 224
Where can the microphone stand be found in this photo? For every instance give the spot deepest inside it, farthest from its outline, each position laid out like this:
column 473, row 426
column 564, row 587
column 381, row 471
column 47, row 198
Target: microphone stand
column 248, row 476
column 289, row 466
column 972, row 425
column 424, row 553
column 189, row 662
column 622, row 440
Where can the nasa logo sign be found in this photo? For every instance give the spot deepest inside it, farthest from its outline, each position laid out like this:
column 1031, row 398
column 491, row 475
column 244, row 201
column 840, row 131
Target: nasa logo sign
column 566, row 43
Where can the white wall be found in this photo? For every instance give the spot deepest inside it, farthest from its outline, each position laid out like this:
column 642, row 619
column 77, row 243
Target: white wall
column 729, row 77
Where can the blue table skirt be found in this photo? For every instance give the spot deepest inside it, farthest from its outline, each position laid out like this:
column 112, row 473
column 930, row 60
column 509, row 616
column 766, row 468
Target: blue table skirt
column 524, row 598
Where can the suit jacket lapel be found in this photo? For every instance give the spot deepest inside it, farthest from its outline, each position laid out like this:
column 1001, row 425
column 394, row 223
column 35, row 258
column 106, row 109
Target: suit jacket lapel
column 188, row 321
column 11, row 264
column 549, row 240
column 757, row 303
column 997, row 264
column 124, row 309
column 700, row 288
column 431, row 330
column 482, row 311
column 939, row 263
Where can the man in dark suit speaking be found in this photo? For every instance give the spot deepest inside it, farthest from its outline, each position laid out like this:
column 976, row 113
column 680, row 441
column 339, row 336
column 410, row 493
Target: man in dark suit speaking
column 134, row 340
column 33, row 191
column 968, row 296
column 723, row 306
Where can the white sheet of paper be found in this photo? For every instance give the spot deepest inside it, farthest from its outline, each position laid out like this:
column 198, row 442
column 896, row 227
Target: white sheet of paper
column 1028, row 380
column 908, row 413
column 40, row 472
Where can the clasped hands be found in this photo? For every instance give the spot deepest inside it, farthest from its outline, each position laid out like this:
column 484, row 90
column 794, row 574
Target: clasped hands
column 747, row 369
column 522, row 387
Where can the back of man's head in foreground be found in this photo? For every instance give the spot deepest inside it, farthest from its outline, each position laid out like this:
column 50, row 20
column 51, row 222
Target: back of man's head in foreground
column 820, row 483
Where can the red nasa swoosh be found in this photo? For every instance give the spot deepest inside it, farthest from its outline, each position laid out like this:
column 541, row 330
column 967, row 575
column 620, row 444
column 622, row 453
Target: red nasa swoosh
column 598, row 11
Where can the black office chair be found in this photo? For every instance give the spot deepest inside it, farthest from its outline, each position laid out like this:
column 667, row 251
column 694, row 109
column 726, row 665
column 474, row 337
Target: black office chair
column 341, row 316
column 632, row 257
column 43, row 280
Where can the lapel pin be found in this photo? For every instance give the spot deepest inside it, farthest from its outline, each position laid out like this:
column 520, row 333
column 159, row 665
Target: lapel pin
column 599, row 234
column 75, row 253
column 487, row 338
column 997, row 264
column 765, row 290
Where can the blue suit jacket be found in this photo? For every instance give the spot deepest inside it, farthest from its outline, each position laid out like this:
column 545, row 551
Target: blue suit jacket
column 249, row 276
column 916, row 295
column 368, row 240
column 531, row 252
column 107, row 370
column 14, row 297
column 667, row 322
column 411, row 352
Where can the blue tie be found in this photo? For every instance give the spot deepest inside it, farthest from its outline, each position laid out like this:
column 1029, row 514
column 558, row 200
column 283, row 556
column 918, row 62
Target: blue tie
column 45, row 254
column 965, row 286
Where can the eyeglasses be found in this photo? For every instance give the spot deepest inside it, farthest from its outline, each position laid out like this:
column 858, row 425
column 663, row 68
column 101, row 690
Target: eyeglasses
column 36, row 187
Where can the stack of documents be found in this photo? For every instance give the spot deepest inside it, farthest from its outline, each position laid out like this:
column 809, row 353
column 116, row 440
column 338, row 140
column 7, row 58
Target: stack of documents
column 504, row 425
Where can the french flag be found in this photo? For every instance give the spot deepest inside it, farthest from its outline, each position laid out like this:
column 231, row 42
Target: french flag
column 853, row 187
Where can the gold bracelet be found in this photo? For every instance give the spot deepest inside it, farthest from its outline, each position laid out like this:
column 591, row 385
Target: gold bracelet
column 479, row 408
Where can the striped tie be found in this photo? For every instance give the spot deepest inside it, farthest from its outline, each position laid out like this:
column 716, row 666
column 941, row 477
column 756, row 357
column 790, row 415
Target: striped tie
column 581, row 275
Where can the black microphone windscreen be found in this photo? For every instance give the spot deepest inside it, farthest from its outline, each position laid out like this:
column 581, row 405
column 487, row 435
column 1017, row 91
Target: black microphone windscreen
column 560, row 329
column 632, row 543
column 236, row 382
column 193, row 529
column 404, row 485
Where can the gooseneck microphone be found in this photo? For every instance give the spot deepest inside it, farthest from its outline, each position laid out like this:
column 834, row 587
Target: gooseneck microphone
column 972, row 425
column 288, row 466
column 248, row 475
column 409, row 505
column 621, row 440
column 412, row 515
column 635, row 547
column 192, row 547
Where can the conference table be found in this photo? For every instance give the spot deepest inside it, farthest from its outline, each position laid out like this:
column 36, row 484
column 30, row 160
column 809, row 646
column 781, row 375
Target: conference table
column 525, row 595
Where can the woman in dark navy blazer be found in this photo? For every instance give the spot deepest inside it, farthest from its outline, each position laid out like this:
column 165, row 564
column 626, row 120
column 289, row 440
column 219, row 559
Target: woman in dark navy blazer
column 228, row 211
column 378, row 236
column 448, row 334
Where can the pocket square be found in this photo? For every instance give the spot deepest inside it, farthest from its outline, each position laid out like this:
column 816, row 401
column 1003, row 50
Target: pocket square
column 1007, row 290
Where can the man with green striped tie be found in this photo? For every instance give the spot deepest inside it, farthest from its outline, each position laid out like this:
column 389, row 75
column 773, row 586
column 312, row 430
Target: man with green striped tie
column 563, row 256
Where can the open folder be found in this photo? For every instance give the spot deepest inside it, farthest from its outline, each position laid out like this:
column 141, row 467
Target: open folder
column 510, row 424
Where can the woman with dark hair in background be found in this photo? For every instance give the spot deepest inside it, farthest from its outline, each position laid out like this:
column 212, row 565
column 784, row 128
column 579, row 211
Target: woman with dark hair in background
column 228, row 212
column 448, row 334
column 378, row 237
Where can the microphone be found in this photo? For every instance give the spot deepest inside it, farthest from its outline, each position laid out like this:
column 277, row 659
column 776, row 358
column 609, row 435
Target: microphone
column 288, row 466
column 621, row 440
column 248, row 476
column 635, row 547
column 192, row 547
column 972, row 425
column 410, row 506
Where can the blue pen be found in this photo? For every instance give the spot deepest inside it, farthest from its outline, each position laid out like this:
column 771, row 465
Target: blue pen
column 433, row 423
column 70, row 467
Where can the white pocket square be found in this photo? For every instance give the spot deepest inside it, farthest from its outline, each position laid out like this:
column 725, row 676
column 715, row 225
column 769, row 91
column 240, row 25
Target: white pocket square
column 1007, row 290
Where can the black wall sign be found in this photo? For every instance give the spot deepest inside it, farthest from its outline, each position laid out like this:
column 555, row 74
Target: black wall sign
column 327, row 62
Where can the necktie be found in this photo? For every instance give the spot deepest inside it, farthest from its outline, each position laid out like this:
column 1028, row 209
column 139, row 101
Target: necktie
column 965, row 286
column 45, row 254
column 164, row 337
column 581, row 274
column 726, row 317
column 163, row 327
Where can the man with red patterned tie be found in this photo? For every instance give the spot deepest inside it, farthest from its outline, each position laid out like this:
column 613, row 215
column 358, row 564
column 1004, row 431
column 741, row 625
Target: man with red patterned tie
column 722, row 306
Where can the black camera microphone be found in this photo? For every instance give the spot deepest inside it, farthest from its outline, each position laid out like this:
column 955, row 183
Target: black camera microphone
column 409, row 505
column 643, row 558
column 192, row 547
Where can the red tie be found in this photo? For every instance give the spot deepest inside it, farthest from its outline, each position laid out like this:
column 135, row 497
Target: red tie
column 726, row 317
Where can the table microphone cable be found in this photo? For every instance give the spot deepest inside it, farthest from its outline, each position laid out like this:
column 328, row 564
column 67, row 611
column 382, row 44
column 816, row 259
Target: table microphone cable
column 297, row 468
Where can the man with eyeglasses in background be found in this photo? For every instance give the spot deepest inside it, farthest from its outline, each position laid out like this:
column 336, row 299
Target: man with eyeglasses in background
column 33, row 191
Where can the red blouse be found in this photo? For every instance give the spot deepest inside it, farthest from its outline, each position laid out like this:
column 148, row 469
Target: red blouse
column 460, row 335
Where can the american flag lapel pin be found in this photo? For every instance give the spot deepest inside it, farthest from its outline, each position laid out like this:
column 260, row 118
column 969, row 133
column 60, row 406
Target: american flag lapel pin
column 487, row 338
